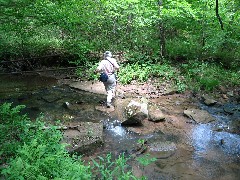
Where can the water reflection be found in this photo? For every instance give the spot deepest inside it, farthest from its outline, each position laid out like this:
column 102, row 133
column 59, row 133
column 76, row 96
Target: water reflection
column 202, row 137
column 118, row 130
column 205, row 141
column 114, row 128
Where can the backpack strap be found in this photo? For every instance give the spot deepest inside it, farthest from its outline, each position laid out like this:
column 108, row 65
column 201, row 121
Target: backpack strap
column 111, row 64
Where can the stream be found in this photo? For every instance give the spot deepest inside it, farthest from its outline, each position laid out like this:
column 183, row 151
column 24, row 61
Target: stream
column 188, row 150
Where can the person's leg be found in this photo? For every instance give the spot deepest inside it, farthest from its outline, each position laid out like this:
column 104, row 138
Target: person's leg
column 110, row 89
column 109, row 97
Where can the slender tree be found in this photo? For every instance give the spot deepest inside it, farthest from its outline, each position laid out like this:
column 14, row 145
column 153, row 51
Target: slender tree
column 218, row 16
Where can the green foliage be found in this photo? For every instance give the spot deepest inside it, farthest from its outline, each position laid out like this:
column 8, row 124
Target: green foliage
column 185, row 29
column 77, row 27
column 107, row 168
column 87, row 72
column 146, row 160
column 13, row 129
column 43, row 157
column 180, row 49
column 141, row 141
column 132, row 72
column 144, row 72
column 208, row 76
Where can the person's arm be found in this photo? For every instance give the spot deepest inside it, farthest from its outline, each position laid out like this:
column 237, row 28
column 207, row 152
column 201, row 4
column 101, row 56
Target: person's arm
column 99, row 68
column 116, row 66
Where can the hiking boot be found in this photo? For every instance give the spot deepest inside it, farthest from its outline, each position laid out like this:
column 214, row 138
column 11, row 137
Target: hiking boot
column 108, row 105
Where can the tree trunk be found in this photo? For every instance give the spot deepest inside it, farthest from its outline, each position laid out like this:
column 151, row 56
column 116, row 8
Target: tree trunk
column 162, row 40
column 161, row 33
column 218, row 16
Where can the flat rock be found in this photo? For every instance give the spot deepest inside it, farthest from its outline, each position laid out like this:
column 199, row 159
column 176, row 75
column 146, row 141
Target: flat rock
column 199, row 116
column 83, row 137
column 209, row 100
column 155, row 114
column 162, row 150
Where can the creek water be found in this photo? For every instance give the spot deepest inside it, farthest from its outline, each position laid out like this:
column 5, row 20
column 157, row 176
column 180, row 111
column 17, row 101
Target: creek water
column 204, row 153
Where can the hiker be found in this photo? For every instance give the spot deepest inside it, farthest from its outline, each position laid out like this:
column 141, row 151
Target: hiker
column 108, row 67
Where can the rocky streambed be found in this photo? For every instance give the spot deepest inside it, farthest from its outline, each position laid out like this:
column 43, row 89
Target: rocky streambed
column 192, row 136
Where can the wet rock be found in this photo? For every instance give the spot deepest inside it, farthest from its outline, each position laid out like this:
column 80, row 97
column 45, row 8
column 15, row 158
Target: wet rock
column 135, row 112
column 163, row 149
column 222, row 89
column 234, row 126
column 199, row 116
column 66, row 105
column 228, row 110
column 224, row 96
column 34, row 108
column 50, row 98
column 230, row 93
column 155, row 114
column 90, row 86
column 222, row 142
column 83, row 137
column 209, row 101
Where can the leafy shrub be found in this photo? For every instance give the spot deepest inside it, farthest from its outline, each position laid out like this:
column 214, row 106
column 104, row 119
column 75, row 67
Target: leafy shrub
column 132, row 72
column 12, row 128
column 208, row 76
column 42, row 156
column 184, row 48
column 107, row 168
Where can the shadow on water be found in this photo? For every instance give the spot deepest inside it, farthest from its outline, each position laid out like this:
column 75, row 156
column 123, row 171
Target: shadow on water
column 215, row 154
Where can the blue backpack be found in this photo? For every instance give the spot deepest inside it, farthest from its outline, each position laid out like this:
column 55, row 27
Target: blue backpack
column 103, row 77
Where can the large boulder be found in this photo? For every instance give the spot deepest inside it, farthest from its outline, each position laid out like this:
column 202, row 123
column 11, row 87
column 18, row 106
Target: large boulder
column 83, row 137
column 199, row 116
column 135, row 112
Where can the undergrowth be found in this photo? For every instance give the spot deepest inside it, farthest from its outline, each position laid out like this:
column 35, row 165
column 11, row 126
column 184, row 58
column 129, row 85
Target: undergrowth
column 208, row 76
column 192, row 75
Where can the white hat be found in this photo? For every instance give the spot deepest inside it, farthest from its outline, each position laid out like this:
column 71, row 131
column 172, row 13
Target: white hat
column 107, row 54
